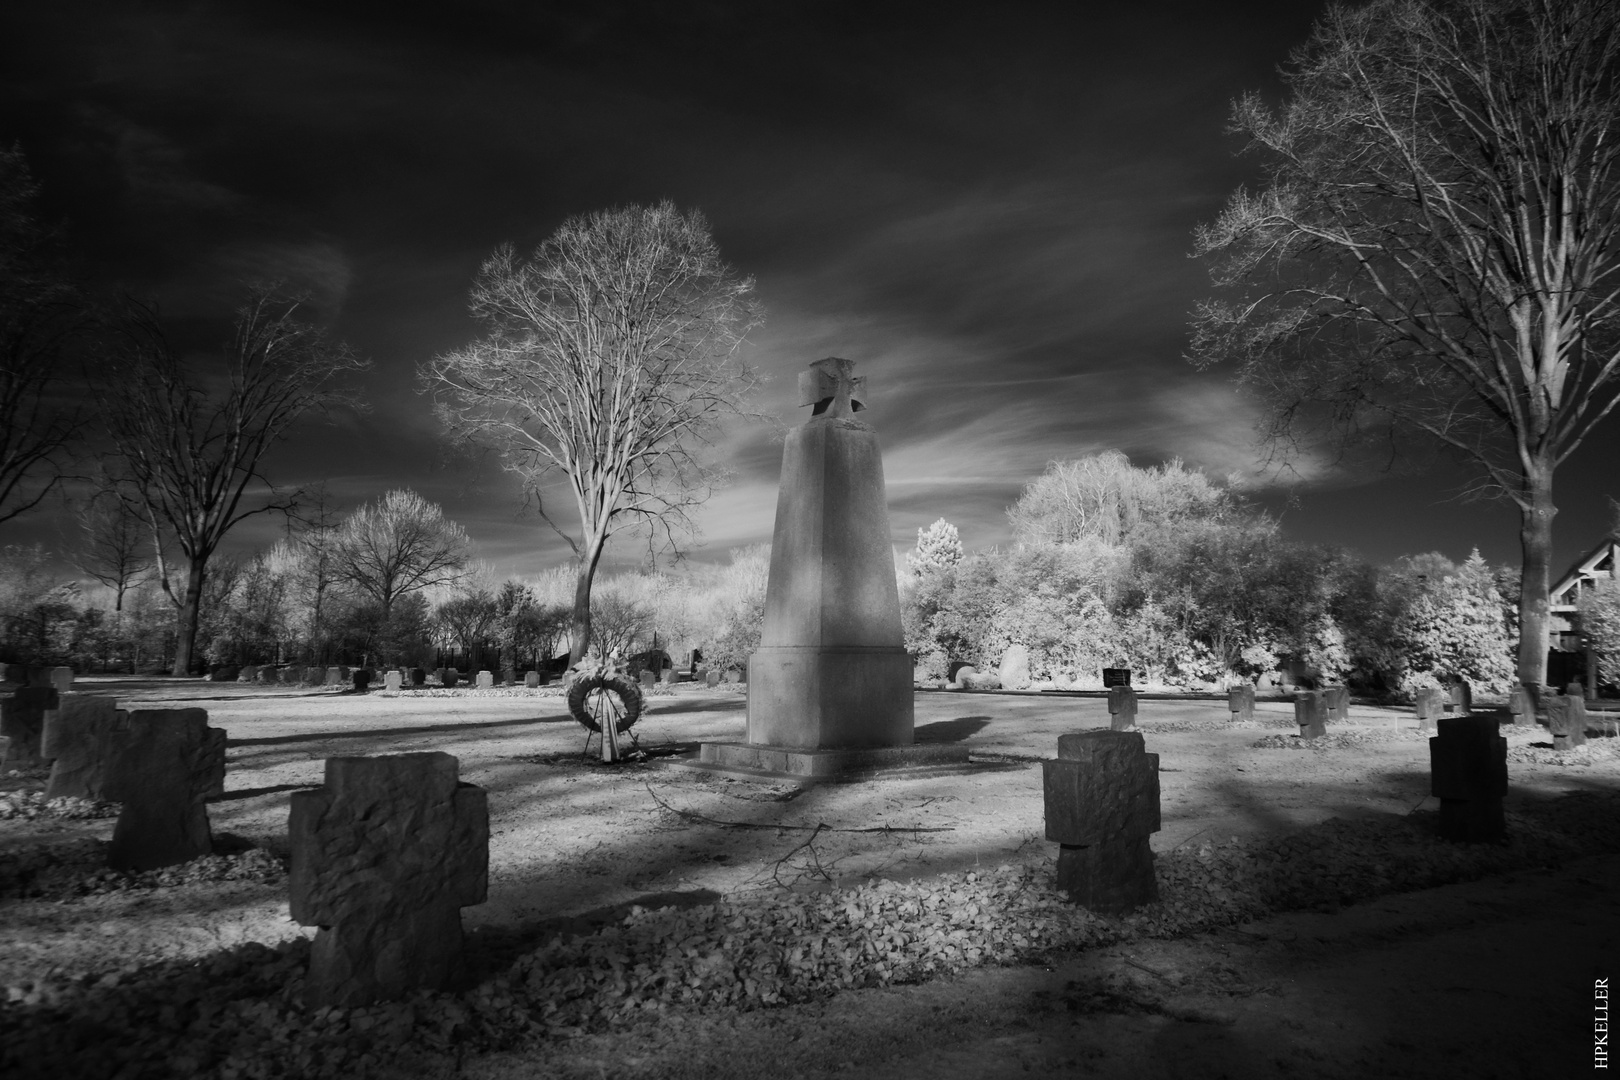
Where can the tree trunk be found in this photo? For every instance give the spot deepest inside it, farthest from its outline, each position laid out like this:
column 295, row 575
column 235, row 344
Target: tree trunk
column 185, row 645
column 1535, row 535
column 579, row 627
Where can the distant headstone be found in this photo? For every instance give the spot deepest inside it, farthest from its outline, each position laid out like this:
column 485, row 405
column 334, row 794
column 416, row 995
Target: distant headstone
column 712, row 678
column 161, row 765
column 1469, row 775
column 733, row 675
column 1102, row 806
column 392, row 681
column 1337, row 700
column 1121, row 708
column 292, row 673
column 418, row 677
column 334, row 676
column 450, row 676
column 1310, row 713
column 384, row 857
column 1014, row 669
column 17, row 673
column 1240, row 702
column 648, row 680
column 1115, row 676
column 486, row 680
column 1522, row 707
column 266, row 673
column 61, row 679
column 362, row 679
column 1460, row 698
column 531, row 679
column 1429, row 703
column 22, row 720
column 76, row 736
column 1566, row 719
column 508, row 677
column 669, row 676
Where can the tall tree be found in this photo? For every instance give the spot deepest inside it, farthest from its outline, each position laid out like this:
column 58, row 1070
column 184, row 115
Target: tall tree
column 400, row 545
column 115, row 548
column 40, row 313
column 611, row 356
column 1435, row 251
column 194, row 447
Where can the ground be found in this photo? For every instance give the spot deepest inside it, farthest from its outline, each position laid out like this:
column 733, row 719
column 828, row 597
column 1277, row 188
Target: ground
column 1491, row 977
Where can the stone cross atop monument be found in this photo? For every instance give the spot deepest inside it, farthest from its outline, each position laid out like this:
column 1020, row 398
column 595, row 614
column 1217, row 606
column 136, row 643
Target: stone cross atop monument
column 832, row 386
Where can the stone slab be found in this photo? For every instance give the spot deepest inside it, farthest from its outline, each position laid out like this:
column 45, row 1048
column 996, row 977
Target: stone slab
column 1240, row 702
column 1566, row 720
column 161, row 765
column 22, row 720
column 393, row 681
column 1102, row 785
column 1337, row 699
column 830, row 698
column 1122, row 706
column 77, row 738
column 1310, row 713
column 1429, row 703
column 384, row 856
column 485, row 680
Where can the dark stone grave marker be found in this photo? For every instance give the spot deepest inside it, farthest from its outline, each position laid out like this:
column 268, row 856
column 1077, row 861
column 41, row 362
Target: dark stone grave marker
column 1566, row 719
column 76, row 738
column 384, row 857
column 162, row 764
column 1240, row 702
column 1121, row 708
column 1468, row 769
column 1310, row 713
column 1102, row 806
column 22, row 720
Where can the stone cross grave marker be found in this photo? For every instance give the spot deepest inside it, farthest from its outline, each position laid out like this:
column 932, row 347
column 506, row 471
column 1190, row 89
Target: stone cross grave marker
column 1522, row 706
column 486, row 680
column 1469, row 775
column 1429, row 704
column 1240, row 702
column 1310, row 713
column 832, row 387
column 1337, row 699
column 22, row 720
column 1460, row 698
column 1102, row 806
column 76, row 736
column 1566, row 719
column 384, row 857
column 162, row 764
column 392, row 681
column 1121, row 708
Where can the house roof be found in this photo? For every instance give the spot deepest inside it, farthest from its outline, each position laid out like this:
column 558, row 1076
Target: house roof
column 1601, row 561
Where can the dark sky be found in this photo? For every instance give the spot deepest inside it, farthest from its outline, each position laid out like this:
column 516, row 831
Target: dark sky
column 988, row 207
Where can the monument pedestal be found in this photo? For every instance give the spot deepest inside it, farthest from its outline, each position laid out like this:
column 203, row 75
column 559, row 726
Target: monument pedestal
column 787, row 762
column 830, row 698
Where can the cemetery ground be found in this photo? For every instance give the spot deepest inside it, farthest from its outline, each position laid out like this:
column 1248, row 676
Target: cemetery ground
column 1310, row 924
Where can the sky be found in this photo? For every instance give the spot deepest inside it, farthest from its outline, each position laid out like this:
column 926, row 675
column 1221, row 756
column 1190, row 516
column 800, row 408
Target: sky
column 988, row 207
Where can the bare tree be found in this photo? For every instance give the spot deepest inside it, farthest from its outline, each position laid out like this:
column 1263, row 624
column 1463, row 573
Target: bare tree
column 40, row 313
column 195, row 456
column 116, row 541
column 400, row 545
column 1436, row 249
column 611, row 358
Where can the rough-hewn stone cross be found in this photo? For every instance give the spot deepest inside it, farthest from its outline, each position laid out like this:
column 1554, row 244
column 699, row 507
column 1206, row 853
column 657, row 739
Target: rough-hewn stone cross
column 1102, row 806
column 161, row 765
column 832, row 386
column 384, row 857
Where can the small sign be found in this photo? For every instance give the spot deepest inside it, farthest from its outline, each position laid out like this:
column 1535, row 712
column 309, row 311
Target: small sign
column 1116, row 676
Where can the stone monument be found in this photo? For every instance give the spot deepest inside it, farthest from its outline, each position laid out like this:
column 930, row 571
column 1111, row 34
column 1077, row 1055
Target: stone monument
column 1566, row 720
column 829, row 688
column 1102, row 806
column 1468, row 771
column 1121, row 708
column 1429, row 703
column 1522, row 706
column 1240, row 702
column 1310, row 713
column 22, row 720
column 77, row 737
column 485, row 680
column 384, row 857
column 161, row 765
column 1337, row 699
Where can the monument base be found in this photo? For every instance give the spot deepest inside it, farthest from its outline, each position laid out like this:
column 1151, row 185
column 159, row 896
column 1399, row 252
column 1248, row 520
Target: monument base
column 792, row 763
column 811, row 698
